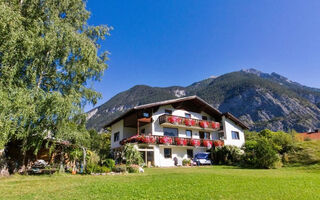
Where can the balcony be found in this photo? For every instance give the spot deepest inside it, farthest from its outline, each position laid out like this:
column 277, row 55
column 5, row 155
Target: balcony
column 183, row 122
column 167, row 140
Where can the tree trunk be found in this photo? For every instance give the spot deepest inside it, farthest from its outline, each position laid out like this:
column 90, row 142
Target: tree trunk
column 84, row 158
column 61, row 170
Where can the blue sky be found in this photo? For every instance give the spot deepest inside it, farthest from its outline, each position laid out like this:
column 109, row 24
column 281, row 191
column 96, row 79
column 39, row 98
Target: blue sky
column 178, row 42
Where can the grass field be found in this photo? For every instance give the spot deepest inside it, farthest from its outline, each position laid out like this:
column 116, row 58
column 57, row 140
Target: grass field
column 218, row 182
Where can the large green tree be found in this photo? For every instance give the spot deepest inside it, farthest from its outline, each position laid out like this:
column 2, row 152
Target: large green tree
column 48, row 57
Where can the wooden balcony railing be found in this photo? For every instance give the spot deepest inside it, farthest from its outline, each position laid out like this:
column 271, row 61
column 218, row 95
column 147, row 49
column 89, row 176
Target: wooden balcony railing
column 168, row 140
column 173, row 120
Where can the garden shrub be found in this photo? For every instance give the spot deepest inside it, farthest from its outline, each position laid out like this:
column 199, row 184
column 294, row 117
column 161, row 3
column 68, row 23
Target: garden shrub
column 260, row 154
column 92, row 168
column 186, row 162
column 109, row 163
column 104, row 169
column 133, row 168
column 306, row 152
column 226, row 155
column 119, row 168
column 132, row 155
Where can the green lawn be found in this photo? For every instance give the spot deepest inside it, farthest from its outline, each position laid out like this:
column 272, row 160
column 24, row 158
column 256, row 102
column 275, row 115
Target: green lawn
column 218, row 182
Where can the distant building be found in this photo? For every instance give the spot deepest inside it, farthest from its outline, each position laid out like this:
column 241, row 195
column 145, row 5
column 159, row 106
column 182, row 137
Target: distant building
column 313, row 135
column 173, row 130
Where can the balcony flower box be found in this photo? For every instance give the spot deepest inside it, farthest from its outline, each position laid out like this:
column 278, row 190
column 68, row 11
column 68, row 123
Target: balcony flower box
column 204, row 124
column 165, row 140
column 207, row 143
column 218, row 143
column 147, row 139
column 194, row 142
column 174, row 120
column 190, row 122
column 181, row 141
column 215, row 125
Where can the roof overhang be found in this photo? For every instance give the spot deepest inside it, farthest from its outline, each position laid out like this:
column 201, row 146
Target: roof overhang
column 190, row 103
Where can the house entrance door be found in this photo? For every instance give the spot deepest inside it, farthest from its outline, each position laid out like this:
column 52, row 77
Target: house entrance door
column 147, row 155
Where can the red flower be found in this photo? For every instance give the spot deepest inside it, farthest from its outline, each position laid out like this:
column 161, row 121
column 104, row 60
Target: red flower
column 218, row 143
column 165, row 140
column 215, row 125
column 204, row 124
column 181, row 141
column 207, row 143
column 174, row 119
column 189, row 122
column 195, row 142
column 149, row 139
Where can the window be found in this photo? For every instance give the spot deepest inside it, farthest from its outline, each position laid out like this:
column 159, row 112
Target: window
column 173, row 132
column 235, row 135
column 116, row 137
column 204, row 135
column 187, row 115
column 168, row 112
column 167, row 153
column 143, row 131
column 188, row 133
column 146, row 115
column 190, row 153
column 204, row 118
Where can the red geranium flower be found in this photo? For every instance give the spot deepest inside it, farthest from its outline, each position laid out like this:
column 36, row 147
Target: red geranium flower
column 218, row 143
column 195, row 142
column 165, row 140
column 215, row 125
column 189, row 122
column 174, row 119
column 181, row 141
column 149, row 139
column 207, row 143
column 204, row 124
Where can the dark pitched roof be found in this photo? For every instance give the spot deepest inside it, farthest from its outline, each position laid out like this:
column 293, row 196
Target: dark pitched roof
column 203, row 103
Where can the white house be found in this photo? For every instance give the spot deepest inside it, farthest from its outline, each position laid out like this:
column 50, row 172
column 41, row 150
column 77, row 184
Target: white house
column 175, row 130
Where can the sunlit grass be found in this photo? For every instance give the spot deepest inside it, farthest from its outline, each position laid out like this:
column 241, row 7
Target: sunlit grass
column 218, row 182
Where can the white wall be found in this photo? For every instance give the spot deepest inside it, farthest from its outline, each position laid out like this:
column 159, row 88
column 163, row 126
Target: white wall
column 147, row 127
column 117, row 127
column 179, row 152
column 157, row 129
column 129, row 132
column 228, row 127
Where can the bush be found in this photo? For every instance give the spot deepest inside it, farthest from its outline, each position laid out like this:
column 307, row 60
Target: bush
column 110, row 163
column 105, row 169
column 131, row 155
column 119, row 168
column 133, row 168
column 186, row 162
column 260, row 154
column 226, row 155
column 92, row 168
column 306, row 152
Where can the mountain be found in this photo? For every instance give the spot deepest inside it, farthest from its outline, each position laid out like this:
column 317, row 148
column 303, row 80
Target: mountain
column 260, row 100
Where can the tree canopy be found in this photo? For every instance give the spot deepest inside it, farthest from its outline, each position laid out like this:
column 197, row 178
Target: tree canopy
column 48, row 56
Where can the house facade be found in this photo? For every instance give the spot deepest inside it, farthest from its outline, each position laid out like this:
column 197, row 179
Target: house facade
column 167, row 132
